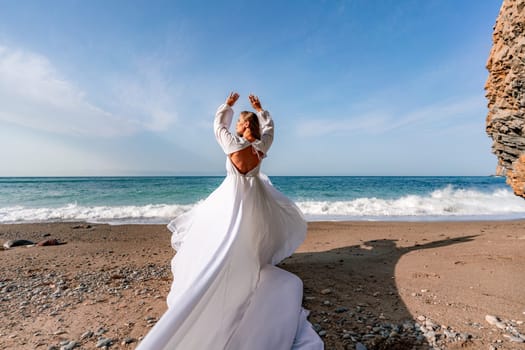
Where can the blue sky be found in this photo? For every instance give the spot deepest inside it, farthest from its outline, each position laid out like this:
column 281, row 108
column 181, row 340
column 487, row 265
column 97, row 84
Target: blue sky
column 355, row 87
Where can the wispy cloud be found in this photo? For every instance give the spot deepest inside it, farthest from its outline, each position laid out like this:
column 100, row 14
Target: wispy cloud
column 371, row 122
column 378, row 121
column 34, row 94
column 442, row 111
column 147, row 95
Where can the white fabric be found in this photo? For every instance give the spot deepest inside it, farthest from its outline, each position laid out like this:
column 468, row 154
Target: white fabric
column 281, row 293
column 225, row 293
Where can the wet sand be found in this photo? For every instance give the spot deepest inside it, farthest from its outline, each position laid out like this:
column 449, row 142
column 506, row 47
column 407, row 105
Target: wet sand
column 388, row 285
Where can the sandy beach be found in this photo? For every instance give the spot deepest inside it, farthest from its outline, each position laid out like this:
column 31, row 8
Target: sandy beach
column 387, row 285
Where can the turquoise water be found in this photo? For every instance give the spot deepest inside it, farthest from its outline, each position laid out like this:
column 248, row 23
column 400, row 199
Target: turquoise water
column 158, row 199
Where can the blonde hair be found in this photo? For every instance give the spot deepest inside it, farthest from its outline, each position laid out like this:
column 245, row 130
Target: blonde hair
column 253, row 123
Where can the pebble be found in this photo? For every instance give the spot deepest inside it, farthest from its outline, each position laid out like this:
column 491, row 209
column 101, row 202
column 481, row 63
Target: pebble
column 449, row 334
column 127, row 340
column 104, row 342
column 465, row 336
column 48, row 242
column 101, row 331
column 86, row 335
column 408, row 326
column 151, row 320
column 493, row 320
column 431, row 335
column 430, row 325
column 69, row 346
column 326, row 291
column 322, row 333
column 514, row 339
column 360, row 346
column 17, row 242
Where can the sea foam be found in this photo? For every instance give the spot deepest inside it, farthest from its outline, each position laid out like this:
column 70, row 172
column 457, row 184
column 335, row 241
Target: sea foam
column 151, row 213
column 444, row 204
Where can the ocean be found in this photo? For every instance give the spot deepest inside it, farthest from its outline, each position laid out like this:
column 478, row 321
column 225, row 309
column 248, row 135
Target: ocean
column 138, row 200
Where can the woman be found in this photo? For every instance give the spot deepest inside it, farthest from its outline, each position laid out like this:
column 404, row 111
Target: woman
column 226, row 291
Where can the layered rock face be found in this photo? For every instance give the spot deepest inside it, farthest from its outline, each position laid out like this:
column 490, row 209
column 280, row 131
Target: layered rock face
column 505, row 91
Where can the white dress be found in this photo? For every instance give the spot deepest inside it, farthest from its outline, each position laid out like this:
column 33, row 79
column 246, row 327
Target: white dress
column 226, row 291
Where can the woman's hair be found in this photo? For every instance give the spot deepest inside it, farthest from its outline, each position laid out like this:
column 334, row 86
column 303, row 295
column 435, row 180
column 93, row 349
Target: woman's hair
column 253, row 123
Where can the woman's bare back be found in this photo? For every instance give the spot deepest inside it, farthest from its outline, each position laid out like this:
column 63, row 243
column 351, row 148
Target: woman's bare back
column 246, row 159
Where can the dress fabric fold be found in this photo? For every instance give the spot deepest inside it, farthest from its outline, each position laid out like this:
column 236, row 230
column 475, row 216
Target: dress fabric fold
column 226, row 291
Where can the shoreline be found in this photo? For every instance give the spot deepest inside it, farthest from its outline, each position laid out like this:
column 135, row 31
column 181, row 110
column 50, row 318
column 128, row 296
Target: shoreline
column 404, row 219
column 362, row 279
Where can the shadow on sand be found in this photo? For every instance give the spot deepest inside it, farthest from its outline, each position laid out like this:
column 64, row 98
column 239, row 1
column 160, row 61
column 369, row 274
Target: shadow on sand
column 352, row 294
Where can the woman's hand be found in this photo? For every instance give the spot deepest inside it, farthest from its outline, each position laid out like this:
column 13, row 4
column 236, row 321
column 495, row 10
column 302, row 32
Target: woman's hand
column 230, row 101
column 256, row 104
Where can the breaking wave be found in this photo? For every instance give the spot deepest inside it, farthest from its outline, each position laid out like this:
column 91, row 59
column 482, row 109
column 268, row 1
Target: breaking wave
column 447, row 203
column 443, row 204
column 129, row 214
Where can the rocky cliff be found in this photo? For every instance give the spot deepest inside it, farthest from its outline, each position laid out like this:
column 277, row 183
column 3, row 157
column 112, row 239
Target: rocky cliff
column 505, row 91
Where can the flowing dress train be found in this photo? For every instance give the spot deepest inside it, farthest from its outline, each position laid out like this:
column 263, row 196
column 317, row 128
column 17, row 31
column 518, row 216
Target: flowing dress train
column 226, row 291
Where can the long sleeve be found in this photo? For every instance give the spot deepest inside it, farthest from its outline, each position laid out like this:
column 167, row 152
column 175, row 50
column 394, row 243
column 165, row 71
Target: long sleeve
column 221, row 127
column 267, row 131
